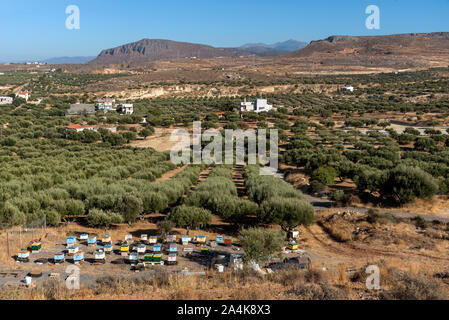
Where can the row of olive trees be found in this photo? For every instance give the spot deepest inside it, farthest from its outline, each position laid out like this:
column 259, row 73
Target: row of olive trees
column 280, row 203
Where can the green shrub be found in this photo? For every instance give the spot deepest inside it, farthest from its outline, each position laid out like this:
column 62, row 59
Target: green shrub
column 324, row 175
column 261, row 244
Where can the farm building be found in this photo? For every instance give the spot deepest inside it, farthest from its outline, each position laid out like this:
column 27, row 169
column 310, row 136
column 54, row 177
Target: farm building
column 106, row 104
column 259, row 105
column 347, row 88
column 80, row 108
column 127, row 108
column 23, row 94
column 79, row 127
column 6, row 100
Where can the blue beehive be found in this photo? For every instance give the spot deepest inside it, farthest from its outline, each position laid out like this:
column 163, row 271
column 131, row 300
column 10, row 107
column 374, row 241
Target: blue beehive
column 92, row 240
column 173, row 248
column 84, row 236
column 220, row 239
column 133, row 257
column 157, row 248
column 78, row 257
column 59, row 257
column 71, row 240
column 73, row 249
column 24, row 254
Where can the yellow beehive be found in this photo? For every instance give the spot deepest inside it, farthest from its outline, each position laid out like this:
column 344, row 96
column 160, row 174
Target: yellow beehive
column 106, row 238
column 293, row 246
column 124, row 248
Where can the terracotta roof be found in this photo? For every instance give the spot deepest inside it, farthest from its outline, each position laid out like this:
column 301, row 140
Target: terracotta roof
column 78, row 126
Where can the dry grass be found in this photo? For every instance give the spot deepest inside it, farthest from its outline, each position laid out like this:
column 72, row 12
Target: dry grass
column 313, row 284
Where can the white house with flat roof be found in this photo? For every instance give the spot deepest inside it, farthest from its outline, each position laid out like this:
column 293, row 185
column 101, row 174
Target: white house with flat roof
column 127, row 108
column 6, row 100
column 106, row 104
column 347, row 88
column 259, row 105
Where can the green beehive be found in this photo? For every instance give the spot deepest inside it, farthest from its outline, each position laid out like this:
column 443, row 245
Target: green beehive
column 157, row 258
column 148, row 257
column 205, row 251
column 36, row 246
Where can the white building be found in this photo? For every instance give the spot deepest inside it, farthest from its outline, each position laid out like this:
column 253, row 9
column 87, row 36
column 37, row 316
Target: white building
column 106, row 104
column 80, row 127
column 6, row 100
column 260, row 105
column 347, row 88
column 23, row 94
column 127, row 108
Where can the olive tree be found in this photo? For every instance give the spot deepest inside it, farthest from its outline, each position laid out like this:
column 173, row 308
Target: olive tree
column 190, row 217
column 286, row 212
column 407, row 183
column 260, row 244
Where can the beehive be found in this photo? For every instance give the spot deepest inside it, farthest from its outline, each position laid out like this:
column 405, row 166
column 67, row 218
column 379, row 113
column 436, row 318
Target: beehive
column 170, row 238
column 148, row 257
column 172, row 257
column 78, row 257
column 23, row 255
column 157, row 257
column 153, row 239
column 201, row 239
column 228, row 240
column 36, row 246
column 84, row 236
column 106, row 238
column 141, row 248
column 73, row 249
column 220, row 239
column 133, row 257
column 124, row 248
column 107, row 248
column 204, row 251
column 59, row 257
column 173, row 248
column 99, row 254
column 92, row 241
column 293, row 245
column 144, row 237
column 71, row 240
column 157, row 248
column 185, row 239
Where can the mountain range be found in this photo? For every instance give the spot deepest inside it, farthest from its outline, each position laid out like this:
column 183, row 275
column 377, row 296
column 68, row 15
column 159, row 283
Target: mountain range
column 147, row 50
column 276, row 49
column 398, row 50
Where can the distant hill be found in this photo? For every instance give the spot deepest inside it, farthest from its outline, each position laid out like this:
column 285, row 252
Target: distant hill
column 276, row 49
column 156, row 49
column 289, row 45
column 399, row 50
column 68, row 60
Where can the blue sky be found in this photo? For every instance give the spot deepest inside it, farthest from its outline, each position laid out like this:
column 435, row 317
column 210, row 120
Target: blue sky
column 31, row 29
